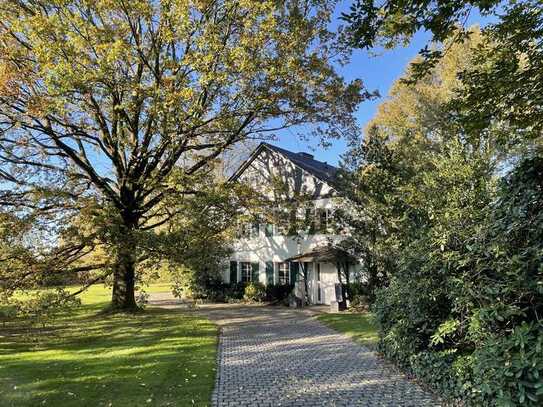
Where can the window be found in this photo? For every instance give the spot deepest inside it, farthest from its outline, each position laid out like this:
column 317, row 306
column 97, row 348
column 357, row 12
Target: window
column 255, row 230
column 319, row 220
column 282, row 224
column 293, row 222
column 310, row 220
column 249, row 230
column 249, row 271
column 268, row 230
column 283, row 269
column 280, row 230
column 245, row 271
column 244, row 230
column 339, row 224
column 322, row 220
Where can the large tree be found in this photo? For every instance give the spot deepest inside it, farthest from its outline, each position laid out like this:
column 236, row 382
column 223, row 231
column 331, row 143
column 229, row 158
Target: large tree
column 462, row 305
column 100, row 100
column 501, row 91
column 411, row 129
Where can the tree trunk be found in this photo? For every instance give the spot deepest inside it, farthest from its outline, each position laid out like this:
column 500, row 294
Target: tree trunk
column 123, row 298
column 124, row 273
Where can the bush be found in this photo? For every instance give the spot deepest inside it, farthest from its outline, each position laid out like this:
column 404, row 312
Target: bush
column 205, row 284
column 406, row 320
column 359, row 296
column 254, row 292
column 446, row 373
column 464, row 313
column 8, row 312
column 278, row 292
column 59, row 279
column 509, row 369
column 44, row 306
column 234, row 292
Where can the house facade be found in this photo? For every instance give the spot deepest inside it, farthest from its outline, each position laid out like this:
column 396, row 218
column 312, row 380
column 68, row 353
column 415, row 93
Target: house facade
column 292, row 240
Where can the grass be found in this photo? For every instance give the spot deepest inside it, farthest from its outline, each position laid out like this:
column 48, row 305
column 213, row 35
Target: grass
column 156, row 358
column 359, row 326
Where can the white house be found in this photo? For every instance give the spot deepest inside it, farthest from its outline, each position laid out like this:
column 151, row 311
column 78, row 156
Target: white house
column 270, row 253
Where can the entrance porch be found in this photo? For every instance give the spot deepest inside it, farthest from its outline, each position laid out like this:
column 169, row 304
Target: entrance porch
column 321, row 271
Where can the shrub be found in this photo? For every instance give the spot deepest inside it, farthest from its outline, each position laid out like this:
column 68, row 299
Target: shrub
column 278, row 292
column 7, row 313
column 509, row 369
column 254, row 292
column 234, row 292
column 142, row 298
column 359, row 295
column 59, row 279
column 446, row 373
column 464, row 313
column 205, row 284
column 406, row 320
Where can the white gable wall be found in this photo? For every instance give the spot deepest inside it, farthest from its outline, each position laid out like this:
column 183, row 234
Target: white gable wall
column 270, row 166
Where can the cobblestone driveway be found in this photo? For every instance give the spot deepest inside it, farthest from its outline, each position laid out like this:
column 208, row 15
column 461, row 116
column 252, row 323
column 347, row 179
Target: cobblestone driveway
column 272, row 356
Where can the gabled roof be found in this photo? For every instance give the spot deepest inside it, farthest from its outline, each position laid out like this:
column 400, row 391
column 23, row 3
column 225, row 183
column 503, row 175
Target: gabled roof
column 324, row 254
column 321, row 170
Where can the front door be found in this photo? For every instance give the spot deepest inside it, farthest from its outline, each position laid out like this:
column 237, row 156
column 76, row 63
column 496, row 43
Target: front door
column 314, row 283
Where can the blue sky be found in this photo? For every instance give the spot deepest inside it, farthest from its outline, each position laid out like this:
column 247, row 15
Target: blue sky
column 377, row 72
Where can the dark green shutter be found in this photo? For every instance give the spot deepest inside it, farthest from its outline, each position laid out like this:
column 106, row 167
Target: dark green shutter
column 269, row 272
column 268, row 231
column 233, row 272
column 254, row 277
column 294, row 266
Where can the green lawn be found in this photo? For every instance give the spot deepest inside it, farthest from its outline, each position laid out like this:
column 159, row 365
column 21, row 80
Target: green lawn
column 358, row 326
column 156, row 358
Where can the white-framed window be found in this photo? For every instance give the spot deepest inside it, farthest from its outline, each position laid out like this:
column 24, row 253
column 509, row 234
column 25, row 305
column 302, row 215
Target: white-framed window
column 321, row 220
column 283, row 270
column 246, row 269
column 249, row 230
column 244, row 231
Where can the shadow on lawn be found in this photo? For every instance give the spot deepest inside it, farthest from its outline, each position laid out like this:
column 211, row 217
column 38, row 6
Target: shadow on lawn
column 159, row 355
column 112, row 329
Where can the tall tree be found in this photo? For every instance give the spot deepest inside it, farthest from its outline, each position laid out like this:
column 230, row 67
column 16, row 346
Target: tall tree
column 101, row 100
column 501, row 91
column 461, row 307
column 402, row 144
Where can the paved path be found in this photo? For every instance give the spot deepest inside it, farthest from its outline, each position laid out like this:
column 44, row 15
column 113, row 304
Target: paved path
column 272, row 356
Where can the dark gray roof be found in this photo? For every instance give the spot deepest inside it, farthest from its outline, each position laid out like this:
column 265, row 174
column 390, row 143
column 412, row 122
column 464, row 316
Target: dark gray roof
column 319, row 169
column 323, row 171
column 325, row 254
